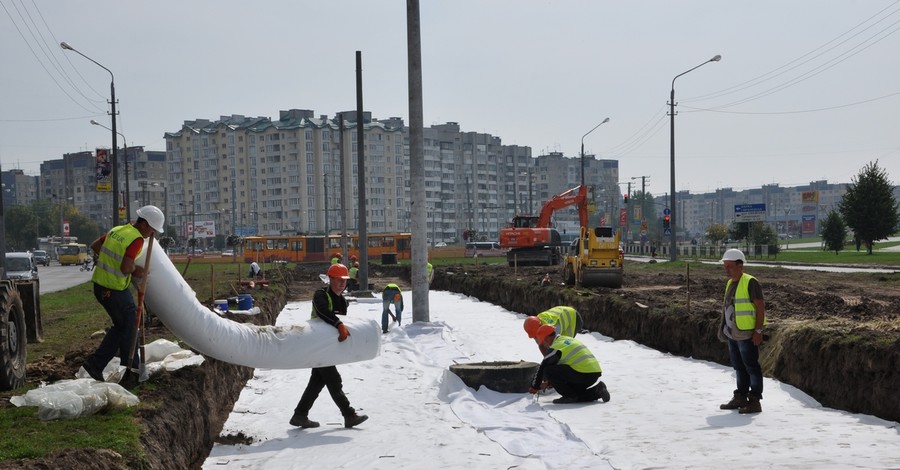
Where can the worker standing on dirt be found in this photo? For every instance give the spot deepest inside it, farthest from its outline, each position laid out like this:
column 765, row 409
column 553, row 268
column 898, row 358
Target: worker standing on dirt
column 328, row 303
column 743, row 319
column 353, row 283
column 117, row 250
column 391, row 295
column 569, row 367
column 254, row 270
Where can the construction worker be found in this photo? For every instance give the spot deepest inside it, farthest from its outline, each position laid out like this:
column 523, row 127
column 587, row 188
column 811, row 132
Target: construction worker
column 566, row 320
column 353, row 283
column 117, row 250
column 569, row 367
column 336, row 258
column 430, row 273
column 328, row 303
column 546, row 280
column 391, row 295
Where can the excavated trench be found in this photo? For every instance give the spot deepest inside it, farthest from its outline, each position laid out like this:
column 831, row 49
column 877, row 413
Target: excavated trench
column 855, row 375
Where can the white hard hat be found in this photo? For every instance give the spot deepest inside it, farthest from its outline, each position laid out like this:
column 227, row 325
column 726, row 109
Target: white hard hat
column 154, row 217
column 734, row 254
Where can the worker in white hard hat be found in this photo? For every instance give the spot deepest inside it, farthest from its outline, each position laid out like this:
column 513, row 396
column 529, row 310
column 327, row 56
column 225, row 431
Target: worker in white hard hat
column 116, row 251
column 741, row 326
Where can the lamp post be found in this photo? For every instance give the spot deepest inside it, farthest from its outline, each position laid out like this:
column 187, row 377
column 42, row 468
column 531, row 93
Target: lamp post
column 115, row 154
column 674, row 222
column 127, row 201
column 582, row 147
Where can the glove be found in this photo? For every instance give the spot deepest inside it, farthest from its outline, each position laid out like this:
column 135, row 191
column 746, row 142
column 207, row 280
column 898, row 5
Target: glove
column 343, row 334
column 533, row 390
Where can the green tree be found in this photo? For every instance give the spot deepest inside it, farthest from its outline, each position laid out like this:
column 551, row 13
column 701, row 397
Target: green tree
column 868, row 207
column 833, row 232
column 739, row 231
column 716, row 233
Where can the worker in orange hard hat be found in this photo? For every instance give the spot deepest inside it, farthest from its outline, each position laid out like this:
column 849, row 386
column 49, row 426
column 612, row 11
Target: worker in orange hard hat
column 569, row 367
column 566, row 320
column 328, row 303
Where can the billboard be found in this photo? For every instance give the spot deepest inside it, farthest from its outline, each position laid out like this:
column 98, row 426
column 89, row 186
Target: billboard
column 809, row 196
column 104, row 171
column 201, row 229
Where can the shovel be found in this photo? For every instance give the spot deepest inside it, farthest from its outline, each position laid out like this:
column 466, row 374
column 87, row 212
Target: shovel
column 139, row 318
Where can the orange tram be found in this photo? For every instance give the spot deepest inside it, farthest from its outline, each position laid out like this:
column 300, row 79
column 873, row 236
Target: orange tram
column 318, row 248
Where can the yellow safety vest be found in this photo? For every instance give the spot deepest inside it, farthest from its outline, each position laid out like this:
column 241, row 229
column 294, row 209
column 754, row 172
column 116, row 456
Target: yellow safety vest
column 744, row 310
column 562, row 318
column 314, row 313
column 108, row 272
column 576, row 355
column 354, row 271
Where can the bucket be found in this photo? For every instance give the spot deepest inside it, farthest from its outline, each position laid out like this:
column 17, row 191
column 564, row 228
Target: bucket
column 221, row 304
column 245, row 302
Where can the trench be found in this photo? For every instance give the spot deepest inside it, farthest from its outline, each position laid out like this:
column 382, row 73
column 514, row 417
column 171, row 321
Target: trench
column 841, row 370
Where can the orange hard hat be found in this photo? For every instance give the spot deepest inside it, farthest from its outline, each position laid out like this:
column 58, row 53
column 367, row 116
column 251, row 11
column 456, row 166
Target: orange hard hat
column 531, row 326
column 339, row 271
column 543, row 332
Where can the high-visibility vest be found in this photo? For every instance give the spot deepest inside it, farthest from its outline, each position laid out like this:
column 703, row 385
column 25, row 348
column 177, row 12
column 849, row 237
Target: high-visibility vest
column 744, row 310
column 354, row 271
column 314, row 313
column 108, row 272
column 576, row 355
column 560, row 317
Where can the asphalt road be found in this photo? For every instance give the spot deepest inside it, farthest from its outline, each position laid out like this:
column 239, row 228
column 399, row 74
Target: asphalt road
column 56, row 278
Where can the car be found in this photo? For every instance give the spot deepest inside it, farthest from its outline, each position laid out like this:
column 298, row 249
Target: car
column 20, row 266
column 227, row 253
column 440, row 245
column 41, row 257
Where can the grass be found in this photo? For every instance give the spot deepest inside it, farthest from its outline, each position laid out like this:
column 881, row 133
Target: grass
column 69, row 318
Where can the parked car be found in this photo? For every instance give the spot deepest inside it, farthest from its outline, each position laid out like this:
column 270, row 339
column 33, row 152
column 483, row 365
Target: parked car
column 20, row 266
column 41, row 257
column 440, row 245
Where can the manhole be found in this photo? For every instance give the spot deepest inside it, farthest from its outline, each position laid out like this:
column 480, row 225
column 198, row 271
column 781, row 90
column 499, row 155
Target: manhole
column 500, row 376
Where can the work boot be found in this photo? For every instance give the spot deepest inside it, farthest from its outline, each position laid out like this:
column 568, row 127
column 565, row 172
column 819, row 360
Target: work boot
column 737, row 401
column 563, row 400
column 96, row 374
column 352, row 419
column 752, row 406
column 129, row 380
column 604, row 393
column 303, row 421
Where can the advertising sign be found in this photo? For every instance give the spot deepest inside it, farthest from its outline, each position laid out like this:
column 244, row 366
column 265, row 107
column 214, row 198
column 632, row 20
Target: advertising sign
column 104, row 171
column 809, row 196
column 809, row 224
column 623, row 217
column 204, row 229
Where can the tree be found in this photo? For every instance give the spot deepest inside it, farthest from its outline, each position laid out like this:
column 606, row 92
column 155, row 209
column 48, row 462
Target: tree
column 833, row 232
column 716, row 233
column 868, row 207
column 739, row 231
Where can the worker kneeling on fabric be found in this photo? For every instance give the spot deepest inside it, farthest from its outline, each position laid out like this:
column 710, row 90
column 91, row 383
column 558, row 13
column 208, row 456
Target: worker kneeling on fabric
column 569, row 367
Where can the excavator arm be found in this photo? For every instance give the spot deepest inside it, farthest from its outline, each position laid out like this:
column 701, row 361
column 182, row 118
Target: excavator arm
column 575, row 196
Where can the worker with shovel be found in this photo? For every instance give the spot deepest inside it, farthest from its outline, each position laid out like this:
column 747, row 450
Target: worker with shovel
column 116, row 251
column 391, row 295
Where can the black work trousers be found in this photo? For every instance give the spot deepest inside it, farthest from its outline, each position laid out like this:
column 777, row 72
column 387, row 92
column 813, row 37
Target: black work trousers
column 324, row 377
column 568, row 382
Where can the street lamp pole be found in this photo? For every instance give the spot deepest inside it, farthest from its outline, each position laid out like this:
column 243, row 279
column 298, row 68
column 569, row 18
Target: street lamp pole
column 674, row 223
column 127, row 201
column 582, row 147
column 115, row 154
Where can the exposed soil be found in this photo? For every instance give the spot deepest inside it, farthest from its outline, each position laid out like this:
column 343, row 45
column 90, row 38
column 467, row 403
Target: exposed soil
column 835, row 336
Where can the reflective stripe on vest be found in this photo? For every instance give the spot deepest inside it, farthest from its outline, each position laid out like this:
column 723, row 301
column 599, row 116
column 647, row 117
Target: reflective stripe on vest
column 108, row 272
column 744, row 310
column 562, row 318
column 576, row 355
column 314, row 313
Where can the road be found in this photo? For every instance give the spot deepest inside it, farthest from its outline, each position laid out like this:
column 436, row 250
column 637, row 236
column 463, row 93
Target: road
column 56, row 278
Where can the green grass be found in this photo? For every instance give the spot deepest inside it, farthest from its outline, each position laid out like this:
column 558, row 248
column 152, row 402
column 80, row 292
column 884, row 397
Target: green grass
column 69, row 318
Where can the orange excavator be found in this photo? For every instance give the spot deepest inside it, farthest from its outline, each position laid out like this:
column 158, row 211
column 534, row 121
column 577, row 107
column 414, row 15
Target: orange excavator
column 532, row 240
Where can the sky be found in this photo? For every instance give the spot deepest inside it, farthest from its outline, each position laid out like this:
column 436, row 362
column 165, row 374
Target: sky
column 805, row 89
column 663, row 412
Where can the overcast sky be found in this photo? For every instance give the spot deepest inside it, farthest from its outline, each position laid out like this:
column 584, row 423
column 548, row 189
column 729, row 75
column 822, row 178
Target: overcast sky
column 805, row 90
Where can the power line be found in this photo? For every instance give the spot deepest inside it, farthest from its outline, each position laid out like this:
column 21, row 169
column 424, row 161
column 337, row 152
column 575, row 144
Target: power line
column 890, row 95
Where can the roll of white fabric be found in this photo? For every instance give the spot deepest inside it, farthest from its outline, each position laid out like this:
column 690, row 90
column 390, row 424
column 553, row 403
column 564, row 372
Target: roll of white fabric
column 312, row 344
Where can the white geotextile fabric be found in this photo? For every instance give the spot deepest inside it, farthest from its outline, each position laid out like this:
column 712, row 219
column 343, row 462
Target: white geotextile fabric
column 310, row 344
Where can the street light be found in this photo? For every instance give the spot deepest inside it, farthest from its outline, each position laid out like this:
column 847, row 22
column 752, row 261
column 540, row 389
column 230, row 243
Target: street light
column 115, row 154
column 674, row 224
column 127, row 201
column 582, row 147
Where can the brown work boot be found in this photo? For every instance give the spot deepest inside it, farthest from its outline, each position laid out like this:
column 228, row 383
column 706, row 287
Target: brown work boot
column 352, row 419
column 752, row 406
column 303, row 422
column 737, row 401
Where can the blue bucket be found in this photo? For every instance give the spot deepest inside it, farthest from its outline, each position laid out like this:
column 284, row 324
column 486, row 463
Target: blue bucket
column 221, row 304
column 245, row 302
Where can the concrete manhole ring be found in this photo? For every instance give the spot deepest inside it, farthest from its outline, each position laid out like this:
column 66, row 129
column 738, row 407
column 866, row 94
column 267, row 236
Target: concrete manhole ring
column 500, row 376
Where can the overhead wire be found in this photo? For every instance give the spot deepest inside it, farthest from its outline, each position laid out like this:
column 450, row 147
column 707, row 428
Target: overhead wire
column 847, row 105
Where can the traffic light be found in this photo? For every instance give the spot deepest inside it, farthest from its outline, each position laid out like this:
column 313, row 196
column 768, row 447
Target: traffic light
column 666, row 220
column 625, row 197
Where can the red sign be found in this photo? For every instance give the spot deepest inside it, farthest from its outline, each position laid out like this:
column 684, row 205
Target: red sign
column 623, row 217
column 66, row 228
